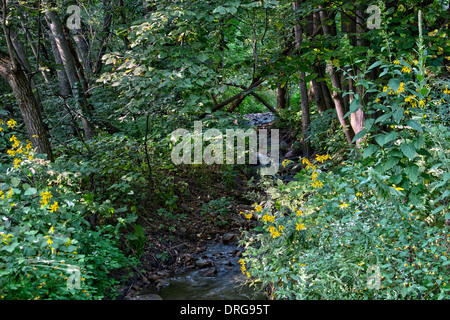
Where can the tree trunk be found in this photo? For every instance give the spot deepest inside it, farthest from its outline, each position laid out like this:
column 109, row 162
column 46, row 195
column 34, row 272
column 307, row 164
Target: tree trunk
column 107, row 19
column 336, row 83
column 357, row 118
column 64, row 85
column 27, row 104
column 25, row 63
column 320, row 69
column 68, row 60
column 84, row 52
column 298, row 33
column 339, row 104
column 281, row 96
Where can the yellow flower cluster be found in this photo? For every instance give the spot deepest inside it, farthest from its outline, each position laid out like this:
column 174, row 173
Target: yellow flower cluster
column 315, row 182
column 411, row 100
column 285, row 162
column 18, row 149
column 446, row 90
column 344, row 205
column 322, row 158
column 243, row 269
column 405, row 69
column 274, row 232
column 46, row 196
column 11, row 123
column 400, row 89
column 268, row 218
column 6, row 238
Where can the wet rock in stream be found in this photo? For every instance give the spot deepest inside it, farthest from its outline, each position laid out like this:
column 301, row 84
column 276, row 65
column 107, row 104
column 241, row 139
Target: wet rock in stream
column 216, row 275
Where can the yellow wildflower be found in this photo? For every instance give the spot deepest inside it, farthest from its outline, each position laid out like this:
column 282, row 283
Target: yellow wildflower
column 405, row 69
column 322, row 158
column 401, row 88
column 11, row 123
column 10, row 193
column 17, row 162
column 317, row 184
column 344, row 205
column 46, row 196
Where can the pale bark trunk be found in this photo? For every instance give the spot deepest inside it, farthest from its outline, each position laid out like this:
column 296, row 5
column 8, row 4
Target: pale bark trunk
column 298, row 33
column 336, row 83
column 68, row 60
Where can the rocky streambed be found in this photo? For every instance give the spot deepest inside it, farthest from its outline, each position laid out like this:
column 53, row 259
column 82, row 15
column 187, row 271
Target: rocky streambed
column 212, row 271
column 216, row 275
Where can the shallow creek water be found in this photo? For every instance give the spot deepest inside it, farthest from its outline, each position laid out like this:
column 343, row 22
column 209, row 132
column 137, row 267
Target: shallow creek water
column 216, row 277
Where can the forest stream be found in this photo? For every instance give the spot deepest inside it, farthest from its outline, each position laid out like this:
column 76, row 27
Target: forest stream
column 216, row 274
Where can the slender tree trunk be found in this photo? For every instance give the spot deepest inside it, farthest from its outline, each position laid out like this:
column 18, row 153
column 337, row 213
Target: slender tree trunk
column 25, row 63
column 69, row 62
column 64, row 85
column 339, row 104
column 84, row 52
column 298, row 33
column 336, row 83
column 357, row 118
column 27, row 104
column 281, row 96
column 107, row 19
column 325, row 90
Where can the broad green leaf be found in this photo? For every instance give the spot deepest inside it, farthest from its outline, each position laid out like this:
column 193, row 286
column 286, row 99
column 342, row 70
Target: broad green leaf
column 438, row 209
column 383, row 117
column 15, row 181
column 394, row 84
column 392, row 161
column 415, row 125
column 369, row 151
column 376, row 64
column 412, row 172
column 408, row 150
column 30, row 192
column 359, row 135
column 390, row 137
column 380, row 139
column 398, row 115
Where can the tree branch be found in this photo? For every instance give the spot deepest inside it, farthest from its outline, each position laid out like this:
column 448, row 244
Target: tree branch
column 256, row 82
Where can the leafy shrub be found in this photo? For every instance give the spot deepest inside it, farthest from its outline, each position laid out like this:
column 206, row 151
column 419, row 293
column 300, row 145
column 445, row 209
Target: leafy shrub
column 48, row 250
column 324, row 134
column 372, row 228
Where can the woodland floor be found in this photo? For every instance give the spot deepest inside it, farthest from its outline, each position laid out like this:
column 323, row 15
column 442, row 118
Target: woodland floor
column 170, row 251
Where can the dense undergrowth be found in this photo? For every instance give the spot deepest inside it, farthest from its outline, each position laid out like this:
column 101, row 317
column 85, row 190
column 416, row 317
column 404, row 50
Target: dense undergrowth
column 78, row 228
column 374, row 225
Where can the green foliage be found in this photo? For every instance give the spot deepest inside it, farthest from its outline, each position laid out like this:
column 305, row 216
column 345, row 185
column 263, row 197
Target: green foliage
column 372, row 228
column 218, row 210
column 47, row 245
column 324, row 133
